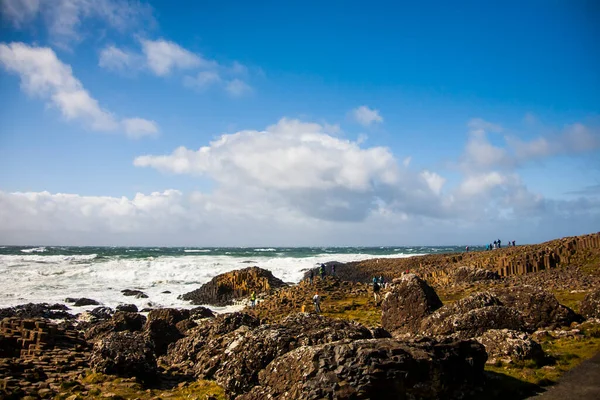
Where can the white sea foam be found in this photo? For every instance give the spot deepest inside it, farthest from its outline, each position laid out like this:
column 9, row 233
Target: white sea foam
column 34, row 250
column 269, row 249
column 38, row 278
column 198, row 251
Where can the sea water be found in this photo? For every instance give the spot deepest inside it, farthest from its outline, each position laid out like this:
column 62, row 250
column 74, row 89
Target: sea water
column 48, row 274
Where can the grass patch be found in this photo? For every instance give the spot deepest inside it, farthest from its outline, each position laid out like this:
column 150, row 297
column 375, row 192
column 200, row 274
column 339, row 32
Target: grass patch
column 360, row 309
column 570, row 298
column 97, row 386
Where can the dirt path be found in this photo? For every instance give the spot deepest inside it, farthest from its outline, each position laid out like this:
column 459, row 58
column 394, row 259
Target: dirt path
column 581, row 383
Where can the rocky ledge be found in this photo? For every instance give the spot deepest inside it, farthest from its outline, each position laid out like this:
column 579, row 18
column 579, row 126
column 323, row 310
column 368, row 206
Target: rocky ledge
column 223, row 289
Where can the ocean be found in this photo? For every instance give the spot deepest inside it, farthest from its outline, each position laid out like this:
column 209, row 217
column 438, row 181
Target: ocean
column 50, row 274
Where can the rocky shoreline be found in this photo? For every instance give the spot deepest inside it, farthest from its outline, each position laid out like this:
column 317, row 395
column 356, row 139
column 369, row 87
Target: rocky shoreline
column 442, row 330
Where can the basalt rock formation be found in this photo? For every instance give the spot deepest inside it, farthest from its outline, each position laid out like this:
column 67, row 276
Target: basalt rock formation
column 590, row 305
column 407, row 304
column 40, row 310
column 161, row 327
column 470, row 275
column 507, row 345
column 374, row 369
column 539, row 308
column 120, row 321
column 225, row 288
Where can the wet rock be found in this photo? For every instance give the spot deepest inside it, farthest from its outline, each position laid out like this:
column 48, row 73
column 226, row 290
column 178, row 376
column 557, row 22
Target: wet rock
column 508, row 345
column 247, row 351
column 540, row 309
column 201, row 312
column 407, row 304
column 225, row 288
column 127, row 308
column 374, row 369
column 137, row 293
column 83, row 301
column 125, row 354
column 590, row 305
column 471, row 317
column 161, row 327
column 39, row 310
column 102, row 313
column 470, row 275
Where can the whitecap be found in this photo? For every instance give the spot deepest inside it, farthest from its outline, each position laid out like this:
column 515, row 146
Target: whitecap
column 34, row 250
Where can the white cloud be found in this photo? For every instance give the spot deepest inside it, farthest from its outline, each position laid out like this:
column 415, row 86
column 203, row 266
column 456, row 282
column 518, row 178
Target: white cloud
column 162, row 56
column 202, row 80
column 366, row 116
column 44, row 75
column 138, row 127
column 238, row 88
column 64, row 18
column 113, row 58
column 434, row 181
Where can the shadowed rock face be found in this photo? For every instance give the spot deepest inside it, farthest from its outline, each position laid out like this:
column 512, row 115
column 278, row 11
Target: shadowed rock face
column 472, row 316
column 125, row 354
column 507, row 345
column 590, row 305
column 407, row 304
column 248, row 351
column 161, row 327
column 224, row 288
column 540, row 309
column 373, row 369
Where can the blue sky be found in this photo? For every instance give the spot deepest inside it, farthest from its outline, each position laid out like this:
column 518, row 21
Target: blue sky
column 341, row 123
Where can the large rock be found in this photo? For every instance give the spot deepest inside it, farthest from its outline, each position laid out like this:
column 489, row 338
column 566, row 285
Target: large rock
column 161, row 327
column 590, row 305
column 471, row 317
column 125, row 354
column 37, row 310
column 507, row 345
column 121, row 321
column 225, row 288
column 185, row 351
column 540, row 309
column 470, row 275
column 248, row 351
column 374, row 369
column 407, row 304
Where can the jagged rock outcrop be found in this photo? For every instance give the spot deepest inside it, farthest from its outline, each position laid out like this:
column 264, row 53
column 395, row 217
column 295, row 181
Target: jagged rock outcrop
column 471, row 317
column 590, row 305
column 508, row 345
column 374, row 369
column 540, row 309
column 161, row 327
column 225, row 288
column 248, row 351
column 127, row 308
column 185, row 351
column 407, row 304
column 37, row 310
column 469, row 275
column 120, row 321
column 126, row 354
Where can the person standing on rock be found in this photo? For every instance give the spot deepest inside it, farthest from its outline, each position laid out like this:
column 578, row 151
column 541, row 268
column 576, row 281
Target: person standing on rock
column 376, row 288
column 317, row 303
column 322, row 271
column 253, row 299
column 333, row 270
column 311, row 276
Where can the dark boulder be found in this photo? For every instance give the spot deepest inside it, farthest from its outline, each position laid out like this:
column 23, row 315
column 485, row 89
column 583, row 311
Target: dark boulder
column 470, row 275
column 102, row 313
column 224, row 288
column 374, row 369
column 201, row 312
column 161, row 327
column 248, row 351
column 186, row 350
column 85, row 302
column 471, row 317
column 125, row 354
column 590, row 305
column 507, row 345
column 127, row 308
column 407, row 304
column 540, row 308
column 137, row 293
column 37, row 310
column 121, row 321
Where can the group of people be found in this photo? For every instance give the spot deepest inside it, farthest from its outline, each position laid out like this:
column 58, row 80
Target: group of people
column 497, row 244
